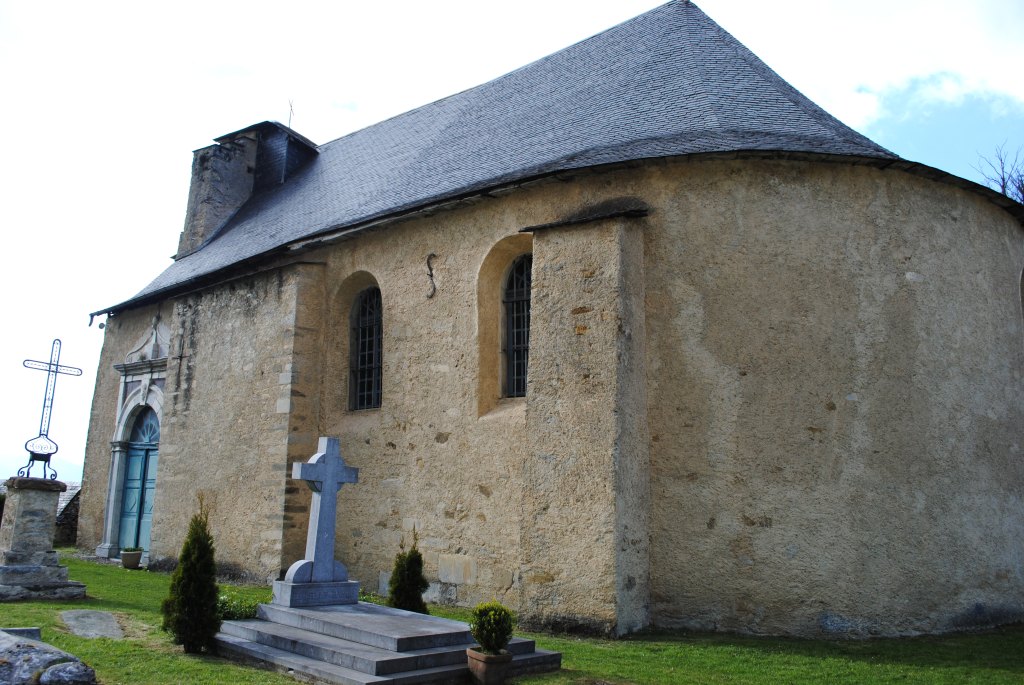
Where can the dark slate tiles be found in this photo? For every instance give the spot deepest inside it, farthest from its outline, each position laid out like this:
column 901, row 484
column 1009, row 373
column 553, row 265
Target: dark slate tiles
column 669, row 82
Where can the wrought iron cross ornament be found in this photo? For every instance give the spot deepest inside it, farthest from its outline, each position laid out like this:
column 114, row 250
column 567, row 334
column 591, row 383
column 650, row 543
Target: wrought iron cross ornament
column 41, row 447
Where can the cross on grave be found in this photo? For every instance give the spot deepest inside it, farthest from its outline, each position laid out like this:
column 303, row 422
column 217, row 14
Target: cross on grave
column 41, row 447
column 324, row 473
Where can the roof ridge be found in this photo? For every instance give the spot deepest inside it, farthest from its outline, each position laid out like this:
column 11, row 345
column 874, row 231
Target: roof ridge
column 507, row 74
column 785, row 88
column 667, row 83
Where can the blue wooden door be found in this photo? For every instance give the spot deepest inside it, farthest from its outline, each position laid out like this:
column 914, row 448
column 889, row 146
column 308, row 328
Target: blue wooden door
column 139, row 482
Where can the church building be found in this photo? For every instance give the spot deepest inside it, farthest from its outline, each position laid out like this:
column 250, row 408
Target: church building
column 635, row 335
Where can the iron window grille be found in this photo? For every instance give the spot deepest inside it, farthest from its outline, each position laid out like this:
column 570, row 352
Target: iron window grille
column 367, row 351
column 517, row 326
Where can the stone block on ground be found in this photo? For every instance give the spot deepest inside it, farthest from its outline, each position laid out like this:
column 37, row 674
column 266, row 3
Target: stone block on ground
column 24, row 661
column 92, row 624
column 30, row 633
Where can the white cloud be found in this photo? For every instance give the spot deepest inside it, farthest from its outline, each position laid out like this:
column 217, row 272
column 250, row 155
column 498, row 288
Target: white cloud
column 848, row 56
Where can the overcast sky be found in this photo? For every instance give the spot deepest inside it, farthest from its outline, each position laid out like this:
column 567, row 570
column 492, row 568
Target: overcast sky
column 102, row 104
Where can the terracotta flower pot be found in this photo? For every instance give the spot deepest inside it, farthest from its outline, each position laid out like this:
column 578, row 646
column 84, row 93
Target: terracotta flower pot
column 131, row 559
column 488, row 669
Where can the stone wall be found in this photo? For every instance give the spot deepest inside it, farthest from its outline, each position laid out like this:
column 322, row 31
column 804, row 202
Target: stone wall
column 119, row 337
column 786, row 401
column 66, row 531
column 836, row 401
column 432, row 458
column 227, row 407
column 586, row 480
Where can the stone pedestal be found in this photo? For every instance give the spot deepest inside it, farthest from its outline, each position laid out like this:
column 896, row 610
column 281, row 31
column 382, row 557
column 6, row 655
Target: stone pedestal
column 315, row 594
column 28, row 564
column 298, row 589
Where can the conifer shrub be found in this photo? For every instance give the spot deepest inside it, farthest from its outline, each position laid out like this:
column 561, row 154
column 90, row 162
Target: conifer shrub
column 190, row 610
column 406, row 586
column 491, row 626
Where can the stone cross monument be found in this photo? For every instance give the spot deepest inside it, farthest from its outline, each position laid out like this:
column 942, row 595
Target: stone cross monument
column 320, row 579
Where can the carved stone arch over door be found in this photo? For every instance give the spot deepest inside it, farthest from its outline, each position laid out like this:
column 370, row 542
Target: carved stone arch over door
column 134, row 447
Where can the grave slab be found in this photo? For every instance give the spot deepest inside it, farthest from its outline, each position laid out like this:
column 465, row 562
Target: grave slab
column 358, row 644
column 92, row 624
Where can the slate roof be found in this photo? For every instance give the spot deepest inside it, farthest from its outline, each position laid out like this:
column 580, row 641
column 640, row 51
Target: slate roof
column 668, row 82
column 65, row 497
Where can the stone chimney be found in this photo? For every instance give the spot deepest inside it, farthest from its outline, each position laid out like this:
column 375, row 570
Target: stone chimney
column 239, row 166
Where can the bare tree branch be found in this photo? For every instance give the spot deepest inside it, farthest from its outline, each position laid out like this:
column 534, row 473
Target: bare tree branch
column 1004, row 173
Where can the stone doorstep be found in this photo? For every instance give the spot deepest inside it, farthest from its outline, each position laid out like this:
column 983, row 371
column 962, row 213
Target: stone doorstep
column 353, row 655
column 372, row 624
column 313, row 671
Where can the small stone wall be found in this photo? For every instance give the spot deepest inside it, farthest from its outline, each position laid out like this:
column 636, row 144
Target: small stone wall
column 66, row 532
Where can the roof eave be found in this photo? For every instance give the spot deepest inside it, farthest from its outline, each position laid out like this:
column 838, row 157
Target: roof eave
column 251, row 265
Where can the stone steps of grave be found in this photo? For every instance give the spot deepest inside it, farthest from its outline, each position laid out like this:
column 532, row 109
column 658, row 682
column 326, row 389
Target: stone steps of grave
column 432, row 650
column 372, row 624
column 354, row 655
column 301, row 667
column 314, row 671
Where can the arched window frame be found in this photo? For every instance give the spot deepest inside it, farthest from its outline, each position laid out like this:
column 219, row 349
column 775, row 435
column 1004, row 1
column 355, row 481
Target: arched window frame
column 516, row 318
column 145, row 427
column 366, row 350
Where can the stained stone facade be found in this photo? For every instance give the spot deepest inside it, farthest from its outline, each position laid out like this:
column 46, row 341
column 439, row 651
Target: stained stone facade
column 775, row 373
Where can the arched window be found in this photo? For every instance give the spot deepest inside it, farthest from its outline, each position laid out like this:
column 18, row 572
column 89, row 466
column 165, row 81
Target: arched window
column 516, row 299
column 146, row 427
column 366, row 350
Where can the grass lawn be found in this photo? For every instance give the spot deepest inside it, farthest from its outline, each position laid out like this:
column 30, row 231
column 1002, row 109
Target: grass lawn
column 146, row 654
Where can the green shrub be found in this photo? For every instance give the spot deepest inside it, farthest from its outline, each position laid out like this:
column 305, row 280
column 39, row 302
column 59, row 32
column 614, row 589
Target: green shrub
column 491, row 625
column 406, row 586
column 132, row 549
column 190, row 610
column 371, row 597
column 233, row 608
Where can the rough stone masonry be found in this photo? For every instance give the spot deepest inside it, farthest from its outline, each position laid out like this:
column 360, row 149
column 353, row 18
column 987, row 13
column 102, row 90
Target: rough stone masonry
column 29, row 568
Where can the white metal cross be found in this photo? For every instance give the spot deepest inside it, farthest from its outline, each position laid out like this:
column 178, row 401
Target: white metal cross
column 42, row 444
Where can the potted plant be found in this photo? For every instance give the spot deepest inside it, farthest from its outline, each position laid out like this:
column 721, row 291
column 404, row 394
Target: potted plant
column 491, row 626
column 131, row 556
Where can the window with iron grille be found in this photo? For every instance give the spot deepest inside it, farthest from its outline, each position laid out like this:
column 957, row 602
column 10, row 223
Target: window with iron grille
column 516, row 299
column 366, row 351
